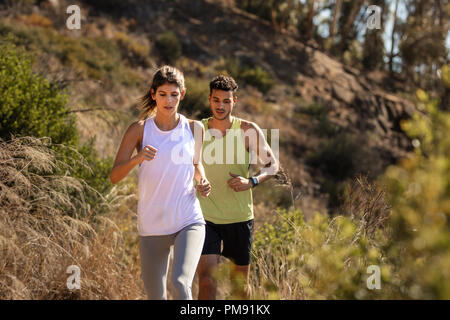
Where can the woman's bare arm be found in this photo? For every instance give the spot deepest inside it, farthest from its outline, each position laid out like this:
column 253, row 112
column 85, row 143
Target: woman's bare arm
column 124, row 161
column 199, row 174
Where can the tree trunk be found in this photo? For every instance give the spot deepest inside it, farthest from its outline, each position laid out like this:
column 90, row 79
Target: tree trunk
column 309, row 19
column 394, row 27
column 349, row 23
column 337, row 11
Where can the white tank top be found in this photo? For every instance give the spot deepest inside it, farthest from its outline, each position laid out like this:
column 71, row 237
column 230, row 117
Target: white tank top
column 167, row 199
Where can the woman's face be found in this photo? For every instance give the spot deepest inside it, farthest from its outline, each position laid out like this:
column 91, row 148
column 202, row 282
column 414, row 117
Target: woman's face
column 168, row 97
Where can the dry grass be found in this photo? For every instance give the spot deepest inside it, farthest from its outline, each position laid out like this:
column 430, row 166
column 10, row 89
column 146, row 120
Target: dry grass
column 366, row 203
column 42, row 234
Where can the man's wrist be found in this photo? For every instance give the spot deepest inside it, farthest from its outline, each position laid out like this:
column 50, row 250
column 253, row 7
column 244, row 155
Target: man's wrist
column 254, row 181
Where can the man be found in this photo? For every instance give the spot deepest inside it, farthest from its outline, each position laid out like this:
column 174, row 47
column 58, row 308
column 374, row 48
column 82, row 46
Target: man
column 231, row 145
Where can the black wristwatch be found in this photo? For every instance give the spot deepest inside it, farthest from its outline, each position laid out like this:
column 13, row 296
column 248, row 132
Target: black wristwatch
column 255, row 181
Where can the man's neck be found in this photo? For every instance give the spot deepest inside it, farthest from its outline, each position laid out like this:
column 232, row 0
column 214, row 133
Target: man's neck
column 221, row 125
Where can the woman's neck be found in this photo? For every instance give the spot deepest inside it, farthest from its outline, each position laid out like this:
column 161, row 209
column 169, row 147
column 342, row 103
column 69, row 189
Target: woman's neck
column 166, row 123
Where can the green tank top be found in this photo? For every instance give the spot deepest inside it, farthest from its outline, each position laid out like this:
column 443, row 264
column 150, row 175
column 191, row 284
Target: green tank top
column 219, row 157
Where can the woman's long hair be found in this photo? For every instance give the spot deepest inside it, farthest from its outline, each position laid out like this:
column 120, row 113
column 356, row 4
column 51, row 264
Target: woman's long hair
column 165, row 74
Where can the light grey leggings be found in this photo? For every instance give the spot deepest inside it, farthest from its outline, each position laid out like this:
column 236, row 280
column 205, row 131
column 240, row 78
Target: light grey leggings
column 154, row 251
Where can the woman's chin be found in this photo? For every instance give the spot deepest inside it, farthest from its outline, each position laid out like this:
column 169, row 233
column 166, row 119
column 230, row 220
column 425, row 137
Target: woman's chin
column 168, row 111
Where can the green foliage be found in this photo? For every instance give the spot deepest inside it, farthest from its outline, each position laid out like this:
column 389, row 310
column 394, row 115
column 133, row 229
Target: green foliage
column 257, row 77
column 261, row 8
column 95, row 57
column 278, row 196
column 109, row 5
column 419, row 190
column 373, row 50
column 248, row 75
column 195, row 102
column 338, row 156
column 275, row 235
column 281, row 13
column 319, row 111
column 137, row 53
column 324, row 258
column 314, row 109
column 30, row 105
column 169, row 47
column 33, row 106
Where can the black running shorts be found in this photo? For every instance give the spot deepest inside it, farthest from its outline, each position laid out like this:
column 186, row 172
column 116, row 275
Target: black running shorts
column 236, row 239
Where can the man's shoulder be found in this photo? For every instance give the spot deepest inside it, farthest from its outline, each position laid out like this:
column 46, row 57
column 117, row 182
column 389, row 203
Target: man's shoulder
column 245, row 125
column 205, row 120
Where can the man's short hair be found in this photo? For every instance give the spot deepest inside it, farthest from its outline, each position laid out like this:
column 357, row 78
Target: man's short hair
column 224, row 83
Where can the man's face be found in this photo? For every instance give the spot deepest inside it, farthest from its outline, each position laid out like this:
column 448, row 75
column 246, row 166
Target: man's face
column 221, row 103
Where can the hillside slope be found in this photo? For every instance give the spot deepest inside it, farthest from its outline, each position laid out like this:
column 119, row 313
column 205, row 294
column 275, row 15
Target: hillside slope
column 343, row 98
column 334, row 121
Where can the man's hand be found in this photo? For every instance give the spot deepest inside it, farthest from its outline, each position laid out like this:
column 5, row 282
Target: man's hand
column 204, row 187
column 238, row 183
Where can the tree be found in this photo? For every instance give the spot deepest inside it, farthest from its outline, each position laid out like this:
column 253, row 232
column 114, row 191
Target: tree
column 373, row 48
column 347, row 27
column 336, row 14
column 393, row 42
column 422, row 47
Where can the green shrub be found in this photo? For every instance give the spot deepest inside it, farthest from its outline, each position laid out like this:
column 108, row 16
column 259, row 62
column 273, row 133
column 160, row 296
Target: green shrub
column 419, row 191
column 322, row 258
column 32, row 106
column 407, row 237
column 314, row 109
column 135, row 52
column 29, row 104
column 229, row 66
column 195, row 102
column 108, row 5
column 169, row 47
column 246, row 74
column 257, row 77
column 91, row 57
column 338, row 156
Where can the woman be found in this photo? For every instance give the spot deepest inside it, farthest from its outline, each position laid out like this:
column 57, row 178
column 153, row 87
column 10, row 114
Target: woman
column 168, row 211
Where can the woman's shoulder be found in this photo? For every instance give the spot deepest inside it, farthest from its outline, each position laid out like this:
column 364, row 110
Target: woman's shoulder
column 137, row 125
column 136, row 129
column 195, row 125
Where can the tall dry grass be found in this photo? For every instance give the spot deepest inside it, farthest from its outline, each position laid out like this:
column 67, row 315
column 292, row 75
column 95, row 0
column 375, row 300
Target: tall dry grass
column 42, row 234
